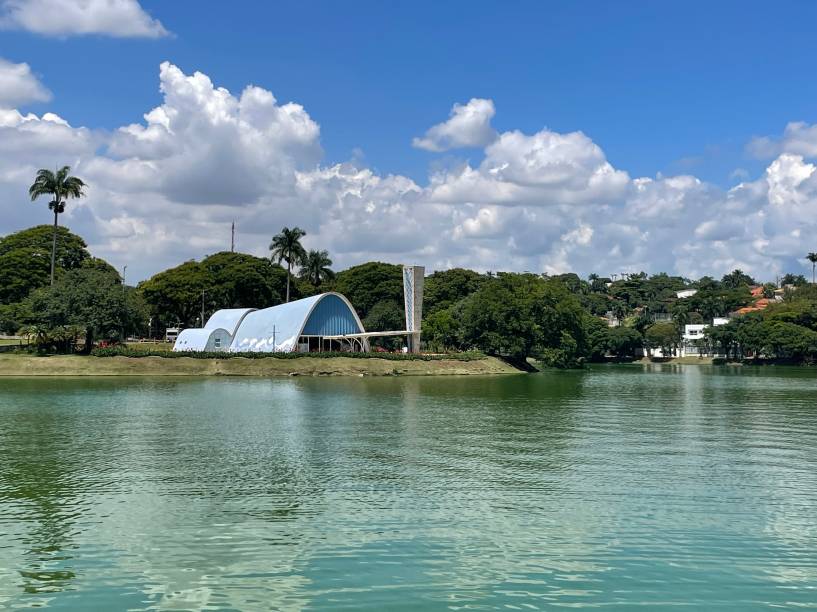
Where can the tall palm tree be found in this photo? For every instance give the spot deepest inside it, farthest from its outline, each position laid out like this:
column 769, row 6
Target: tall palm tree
column 61, row 186
column 287, row 247
column 812, row 257
column 315, row 267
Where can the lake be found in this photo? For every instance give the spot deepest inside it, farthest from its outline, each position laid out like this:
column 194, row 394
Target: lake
column 619, row 487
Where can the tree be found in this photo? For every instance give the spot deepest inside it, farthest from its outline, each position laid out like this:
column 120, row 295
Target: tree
column 795, row 280
column 447, row 287
column 24, row 257
column 287, row 247
column 737, row 279
column 662, row 335
column 523, row 315
column 385, row 316
column 623, row 341
column 228, row 280
column 93, row 299
column 441, row 329
column 597, row 332
column 315, row 267
column 812, row 257
column 367, row 284
column 61, row 186
column 239, row 280
column 724, row 339
column 175, row 294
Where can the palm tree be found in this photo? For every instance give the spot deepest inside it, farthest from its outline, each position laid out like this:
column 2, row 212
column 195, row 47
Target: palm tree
column 315, row 267
column 812, row 257
column 287, row 247
column 62, row 186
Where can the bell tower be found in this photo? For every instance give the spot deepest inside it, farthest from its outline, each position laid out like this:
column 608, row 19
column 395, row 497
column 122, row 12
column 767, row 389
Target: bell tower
column 413, row 278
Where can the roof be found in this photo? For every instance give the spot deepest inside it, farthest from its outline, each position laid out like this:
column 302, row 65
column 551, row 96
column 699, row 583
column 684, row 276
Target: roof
column 196, row 339
column 228, row 318
column 277, row 329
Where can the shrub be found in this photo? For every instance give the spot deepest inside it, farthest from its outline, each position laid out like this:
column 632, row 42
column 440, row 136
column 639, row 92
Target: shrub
column 123, row 351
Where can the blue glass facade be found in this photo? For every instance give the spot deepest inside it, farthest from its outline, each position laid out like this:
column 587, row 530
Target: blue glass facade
column 331, row 317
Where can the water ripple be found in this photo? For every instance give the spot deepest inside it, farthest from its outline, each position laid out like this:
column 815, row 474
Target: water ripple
column 617, row 487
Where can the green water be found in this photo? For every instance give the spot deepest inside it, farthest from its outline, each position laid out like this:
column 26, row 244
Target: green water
column 618, row 487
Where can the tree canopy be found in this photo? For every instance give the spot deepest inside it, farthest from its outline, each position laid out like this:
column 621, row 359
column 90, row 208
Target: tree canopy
column 227, row 280
column 447, row 287
column 91, row 299
column 367, row 284
column 25, row 259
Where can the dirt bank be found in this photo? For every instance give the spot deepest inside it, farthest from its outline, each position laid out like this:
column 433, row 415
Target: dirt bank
column 76, row 365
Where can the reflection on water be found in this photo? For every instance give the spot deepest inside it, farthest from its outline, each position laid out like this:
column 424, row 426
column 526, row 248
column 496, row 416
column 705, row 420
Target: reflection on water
column 614, row 487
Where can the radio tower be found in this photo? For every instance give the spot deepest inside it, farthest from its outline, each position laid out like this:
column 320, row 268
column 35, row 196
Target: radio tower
column 232, row 238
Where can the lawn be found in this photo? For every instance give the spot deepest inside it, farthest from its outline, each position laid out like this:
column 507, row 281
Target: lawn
column 150, row 346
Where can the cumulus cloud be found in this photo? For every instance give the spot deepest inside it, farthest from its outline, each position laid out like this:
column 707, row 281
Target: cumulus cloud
column 798, row 138
column 118, row 18
column 206, row 146
column 542, row 169
column 166, row 188
column 18, row 85
column 469, row 125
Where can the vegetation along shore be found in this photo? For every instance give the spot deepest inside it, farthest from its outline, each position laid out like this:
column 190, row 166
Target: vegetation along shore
column 58, row 298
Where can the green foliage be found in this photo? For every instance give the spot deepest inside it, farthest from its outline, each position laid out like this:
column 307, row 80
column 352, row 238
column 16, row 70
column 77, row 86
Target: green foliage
column 287, row 247
column 737, row 279
column 717, row 300
column 522, row 315
column 238, row 280
column 25, row 259
column 796, row 280
column 58, row 184
column 228, row 280
column 619, row 342
column 14, row 316
column 316, row 267
column 784, row 331
column 444, row 289
column 367, row 284
column 174, row 296
column 92, row 299
column 597, row 333
column 622, row 342
column 664, row 336
column 441, row 330
column 61, row 338
column 123, row 351
column 384, row 316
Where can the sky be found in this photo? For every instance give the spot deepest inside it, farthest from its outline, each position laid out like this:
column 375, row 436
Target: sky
column 542, row 136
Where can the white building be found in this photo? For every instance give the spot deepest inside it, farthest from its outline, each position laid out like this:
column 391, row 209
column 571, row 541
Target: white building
column 686, row 293
column 693, row 335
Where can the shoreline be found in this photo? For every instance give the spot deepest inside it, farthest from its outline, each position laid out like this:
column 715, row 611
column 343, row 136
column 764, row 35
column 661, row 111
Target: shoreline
column 81, row 365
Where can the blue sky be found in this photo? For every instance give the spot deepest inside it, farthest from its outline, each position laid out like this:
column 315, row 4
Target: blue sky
column 658, row 89
column 661, row 87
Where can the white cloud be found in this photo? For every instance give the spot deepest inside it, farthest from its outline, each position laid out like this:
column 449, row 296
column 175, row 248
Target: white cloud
column 468, row 126
column 118, row 18
column 799, row 138
column 542, row 169
column 166, row 189
column 18, row 85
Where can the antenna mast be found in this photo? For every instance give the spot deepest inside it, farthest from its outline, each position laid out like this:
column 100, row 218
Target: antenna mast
column 232, row 238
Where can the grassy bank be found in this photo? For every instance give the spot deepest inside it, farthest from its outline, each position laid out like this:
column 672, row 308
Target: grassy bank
column 77, row 365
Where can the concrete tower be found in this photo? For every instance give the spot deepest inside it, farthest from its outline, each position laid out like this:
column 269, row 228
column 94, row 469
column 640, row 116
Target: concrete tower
column 413, row 277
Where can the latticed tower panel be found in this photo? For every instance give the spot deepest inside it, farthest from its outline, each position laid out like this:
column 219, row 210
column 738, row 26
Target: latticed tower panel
column 413, row 277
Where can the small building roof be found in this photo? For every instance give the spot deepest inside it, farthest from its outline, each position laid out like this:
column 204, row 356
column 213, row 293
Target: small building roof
column 197, row 339
column 228, row 318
